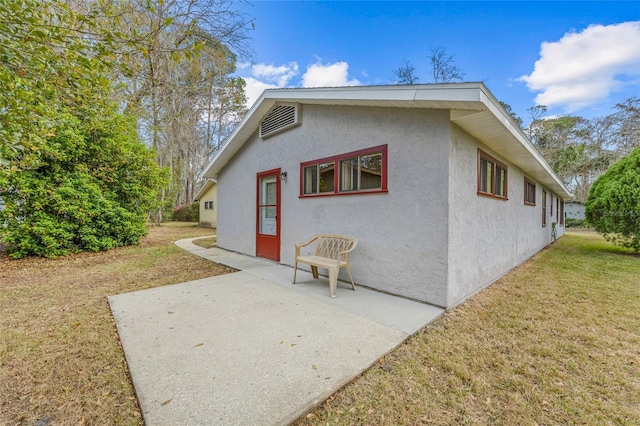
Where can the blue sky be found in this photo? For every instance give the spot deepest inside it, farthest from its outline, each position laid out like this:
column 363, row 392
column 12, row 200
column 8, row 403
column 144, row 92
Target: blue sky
column 576, row 57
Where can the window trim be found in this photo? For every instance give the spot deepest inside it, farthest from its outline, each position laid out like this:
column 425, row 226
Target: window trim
column 496, row 164
column 535, row 192
column 336, row 159
column 544, row 207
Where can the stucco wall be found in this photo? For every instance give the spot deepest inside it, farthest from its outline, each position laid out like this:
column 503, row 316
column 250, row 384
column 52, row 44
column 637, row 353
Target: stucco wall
column 487, row 236
column 208, row 217
column 575, row 210
column 402, row 234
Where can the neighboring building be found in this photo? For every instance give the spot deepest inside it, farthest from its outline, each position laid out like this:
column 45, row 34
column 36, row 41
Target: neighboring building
column 207, row 196
column 442, row 189
column 575, row 210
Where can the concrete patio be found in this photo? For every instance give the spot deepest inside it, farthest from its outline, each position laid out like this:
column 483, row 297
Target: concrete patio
column 250, row 347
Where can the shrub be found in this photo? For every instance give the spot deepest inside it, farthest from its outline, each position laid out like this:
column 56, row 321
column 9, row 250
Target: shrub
column 187, row 213
column 576, row 223
column 613, row 206
column 90, row 191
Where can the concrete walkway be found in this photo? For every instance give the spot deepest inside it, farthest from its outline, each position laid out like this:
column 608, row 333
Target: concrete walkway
column 250, row 347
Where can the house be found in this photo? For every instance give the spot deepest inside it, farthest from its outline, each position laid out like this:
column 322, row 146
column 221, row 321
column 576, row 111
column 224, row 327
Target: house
column 575, row 210
column 207, row 196
column 442, row 189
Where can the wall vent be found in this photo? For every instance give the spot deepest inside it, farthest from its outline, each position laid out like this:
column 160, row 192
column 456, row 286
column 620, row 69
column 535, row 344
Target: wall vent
column 281, row 117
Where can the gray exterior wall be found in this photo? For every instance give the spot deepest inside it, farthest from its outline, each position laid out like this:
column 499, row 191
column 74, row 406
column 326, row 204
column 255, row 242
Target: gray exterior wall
column 402, row 234
column 430, row 238
column 488, row 236
column 575, row 210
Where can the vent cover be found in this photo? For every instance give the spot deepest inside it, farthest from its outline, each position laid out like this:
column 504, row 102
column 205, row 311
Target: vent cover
column 280, row 118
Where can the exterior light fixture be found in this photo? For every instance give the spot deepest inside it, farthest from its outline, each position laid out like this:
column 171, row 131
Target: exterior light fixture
column 283, row 176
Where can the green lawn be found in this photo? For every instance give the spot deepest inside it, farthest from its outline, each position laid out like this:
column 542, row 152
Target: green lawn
column 556, row 341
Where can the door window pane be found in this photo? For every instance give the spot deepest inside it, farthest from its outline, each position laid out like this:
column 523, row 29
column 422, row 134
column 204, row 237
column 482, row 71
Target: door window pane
column 268, row 220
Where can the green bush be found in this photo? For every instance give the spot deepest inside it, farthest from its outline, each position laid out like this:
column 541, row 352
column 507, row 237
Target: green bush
column 613, row 206
column 90, row 190
column 576, row 223
column 187, row 213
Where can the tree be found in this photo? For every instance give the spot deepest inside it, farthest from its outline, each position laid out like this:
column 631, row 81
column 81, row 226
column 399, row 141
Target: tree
column 443, row 67
column 406, row 74
column 90, row 191
column 613, row 206
column 580, row 150
column 626, row 122
column 45, row 65
column 511, row 113
column 178, row 82
column 76, row 177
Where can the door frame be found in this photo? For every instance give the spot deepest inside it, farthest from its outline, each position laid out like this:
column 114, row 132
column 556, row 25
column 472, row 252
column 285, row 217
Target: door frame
column 272, row 241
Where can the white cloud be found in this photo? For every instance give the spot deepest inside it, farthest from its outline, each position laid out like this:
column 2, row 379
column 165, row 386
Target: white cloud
column 583, row 68
column 278, row 75
column 267, row 76
column 330, row 75
column 254, row 89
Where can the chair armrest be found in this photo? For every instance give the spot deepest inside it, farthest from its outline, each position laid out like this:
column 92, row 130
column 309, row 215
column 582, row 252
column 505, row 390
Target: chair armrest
column 299, row 246
column 345, row 254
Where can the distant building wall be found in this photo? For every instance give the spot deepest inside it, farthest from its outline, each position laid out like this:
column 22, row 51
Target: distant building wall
column 574, row 210
column 209, row 207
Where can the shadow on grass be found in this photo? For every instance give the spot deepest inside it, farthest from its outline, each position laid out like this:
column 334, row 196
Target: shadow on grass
column 597, row 244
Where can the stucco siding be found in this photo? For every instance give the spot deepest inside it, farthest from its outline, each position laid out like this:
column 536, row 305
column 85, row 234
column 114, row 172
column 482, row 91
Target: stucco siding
column 237, row 196
column 208, row 217
column 575, row 210
column 402, row 234
column 488, row 236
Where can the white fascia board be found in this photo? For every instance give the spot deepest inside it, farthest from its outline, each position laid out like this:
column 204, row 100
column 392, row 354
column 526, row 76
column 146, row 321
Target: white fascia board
column 238, row 137
column 499, row 112
column 465, row 96
column 208, row 184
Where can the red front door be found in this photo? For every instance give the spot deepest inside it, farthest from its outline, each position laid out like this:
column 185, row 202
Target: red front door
column 268, row 215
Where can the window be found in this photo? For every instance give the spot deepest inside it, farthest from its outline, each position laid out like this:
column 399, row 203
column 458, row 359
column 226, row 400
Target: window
column 492, row 176
column 551, row 206
column 319, row 178
column 544, row 208
column 358, row 172
column 561, row 212
column 208, row 205
column 529, row 192
column 557, row 208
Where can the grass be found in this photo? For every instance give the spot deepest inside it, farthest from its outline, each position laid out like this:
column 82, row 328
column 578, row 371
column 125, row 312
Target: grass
column 206, row 242
column 556, row 341
column 60, row 355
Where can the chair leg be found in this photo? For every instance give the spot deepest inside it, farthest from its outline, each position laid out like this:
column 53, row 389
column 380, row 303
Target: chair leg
column 295, row 269
column 333, row 282
column 349, row 271
column 314, row 270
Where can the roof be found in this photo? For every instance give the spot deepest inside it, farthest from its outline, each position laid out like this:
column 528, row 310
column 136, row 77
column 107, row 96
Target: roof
column 472, row 107
column 207, row 184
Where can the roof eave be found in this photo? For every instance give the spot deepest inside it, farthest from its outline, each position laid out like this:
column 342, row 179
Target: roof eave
column 464, row 100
